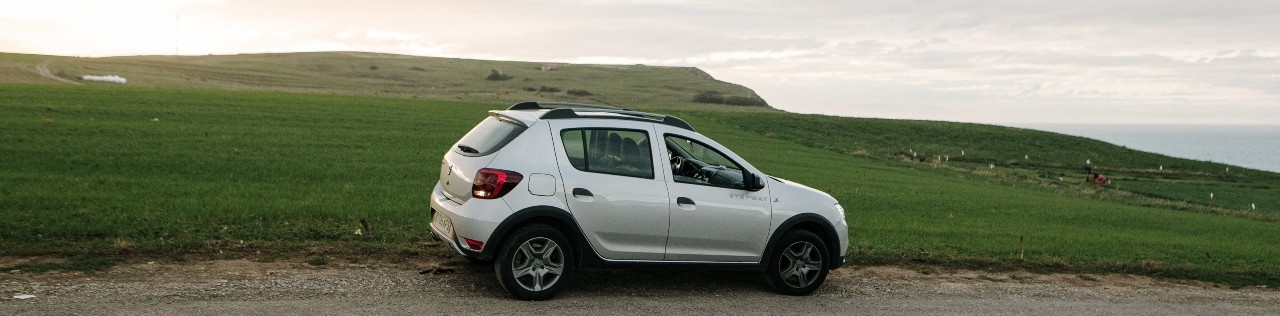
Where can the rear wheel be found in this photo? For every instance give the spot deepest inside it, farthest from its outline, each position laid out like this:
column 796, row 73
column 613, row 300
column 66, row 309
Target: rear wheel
column 533, row 262
column 799, row 265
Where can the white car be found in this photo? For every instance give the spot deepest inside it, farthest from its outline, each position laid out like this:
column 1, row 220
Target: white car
column 541, row 189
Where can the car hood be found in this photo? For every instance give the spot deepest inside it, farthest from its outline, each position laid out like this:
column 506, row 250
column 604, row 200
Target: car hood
column 793, row 196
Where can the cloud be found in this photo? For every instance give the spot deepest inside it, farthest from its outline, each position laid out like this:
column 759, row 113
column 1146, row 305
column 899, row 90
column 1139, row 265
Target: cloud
column 388, row 35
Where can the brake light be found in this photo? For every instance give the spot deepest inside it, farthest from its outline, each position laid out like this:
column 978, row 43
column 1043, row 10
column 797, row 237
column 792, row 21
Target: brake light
column 494, row 183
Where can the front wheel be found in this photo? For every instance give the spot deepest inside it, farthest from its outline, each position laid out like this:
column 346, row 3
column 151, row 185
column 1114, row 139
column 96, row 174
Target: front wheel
column 533, row 262
column 799, row 265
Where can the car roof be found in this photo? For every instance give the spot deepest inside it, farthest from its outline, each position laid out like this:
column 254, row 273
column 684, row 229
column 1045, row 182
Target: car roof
column 530, row 112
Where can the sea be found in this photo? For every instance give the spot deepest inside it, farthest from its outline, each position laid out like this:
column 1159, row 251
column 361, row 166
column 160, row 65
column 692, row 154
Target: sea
column 1250, row 146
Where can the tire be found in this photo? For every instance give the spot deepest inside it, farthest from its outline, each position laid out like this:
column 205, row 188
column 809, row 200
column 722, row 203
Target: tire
column 534, row 262
column 798, row 265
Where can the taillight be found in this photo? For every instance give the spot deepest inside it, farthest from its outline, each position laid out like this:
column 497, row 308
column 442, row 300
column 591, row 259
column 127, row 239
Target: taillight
column 494, row 183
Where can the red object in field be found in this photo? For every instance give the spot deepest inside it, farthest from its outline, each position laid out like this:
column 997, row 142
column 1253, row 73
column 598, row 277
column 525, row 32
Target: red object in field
column 1101, row 179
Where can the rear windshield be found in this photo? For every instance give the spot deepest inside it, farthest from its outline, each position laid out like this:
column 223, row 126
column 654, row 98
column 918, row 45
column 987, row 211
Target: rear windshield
column 487, row 137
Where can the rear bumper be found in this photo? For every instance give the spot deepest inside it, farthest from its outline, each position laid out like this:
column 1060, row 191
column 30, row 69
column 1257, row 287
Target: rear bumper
column 442, row 236
column 451, row 222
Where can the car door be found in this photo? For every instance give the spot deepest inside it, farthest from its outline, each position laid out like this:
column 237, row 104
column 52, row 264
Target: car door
column 613, row 186
column 712, row 218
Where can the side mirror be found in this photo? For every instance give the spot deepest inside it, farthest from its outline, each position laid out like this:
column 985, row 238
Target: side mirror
column 751, row 181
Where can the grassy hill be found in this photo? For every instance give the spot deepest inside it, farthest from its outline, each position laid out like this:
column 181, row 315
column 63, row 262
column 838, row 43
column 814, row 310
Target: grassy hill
column 372, row 74
column 157, row 170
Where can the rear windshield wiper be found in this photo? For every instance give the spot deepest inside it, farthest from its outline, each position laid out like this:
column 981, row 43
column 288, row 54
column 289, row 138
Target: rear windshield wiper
column 468, row 149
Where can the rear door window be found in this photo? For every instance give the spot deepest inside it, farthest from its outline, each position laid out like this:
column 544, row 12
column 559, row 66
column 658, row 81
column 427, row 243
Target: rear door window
column 609, row 151
column 488, row 137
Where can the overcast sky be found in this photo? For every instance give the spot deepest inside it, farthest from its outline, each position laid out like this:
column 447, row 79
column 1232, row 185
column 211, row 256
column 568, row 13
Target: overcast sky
column 1008, row 62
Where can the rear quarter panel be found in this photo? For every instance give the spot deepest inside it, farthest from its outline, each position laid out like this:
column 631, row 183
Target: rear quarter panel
column 532, row 153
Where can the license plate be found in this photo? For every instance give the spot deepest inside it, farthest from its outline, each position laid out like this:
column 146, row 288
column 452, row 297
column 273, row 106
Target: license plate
column 446, row 226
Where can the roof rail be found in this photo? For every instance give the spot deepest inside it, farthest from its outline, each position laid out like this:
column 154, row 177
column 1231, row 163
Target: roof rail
column 531, row 105
column 565, row 110
column 569, row 113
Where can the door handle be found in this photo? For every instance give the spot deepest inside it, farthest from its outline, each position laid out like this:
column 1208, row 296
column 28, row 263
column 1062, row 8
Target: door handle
column 685, row 201
column 581, row 192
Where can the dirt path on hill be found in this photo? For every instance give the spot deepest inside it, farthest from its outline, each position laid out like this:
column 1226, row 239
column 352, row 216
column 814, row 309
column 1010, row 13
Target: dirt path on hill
column 43, row 69
column 245, row 287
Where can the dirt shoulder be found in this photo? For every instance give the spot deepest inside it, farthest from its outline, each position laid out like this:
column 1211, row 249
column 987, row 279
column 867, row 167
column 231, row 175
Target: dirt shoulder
column 289, row 288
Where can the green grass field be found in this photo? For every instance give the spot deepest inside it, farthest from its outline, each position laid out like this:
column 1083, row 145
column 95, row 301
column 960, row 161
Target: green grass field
column 153, row 171
column 113, row 169
column 1029, row 158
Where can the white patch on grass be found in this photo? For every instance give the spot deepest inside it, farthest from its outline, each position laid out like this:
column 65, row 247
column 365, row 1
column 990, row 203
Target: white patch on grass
column 107, row 78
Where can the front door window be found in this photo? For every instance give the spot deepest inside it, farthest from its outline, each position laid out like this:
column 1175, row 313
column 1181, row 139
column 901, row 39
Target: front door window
column 696, row 163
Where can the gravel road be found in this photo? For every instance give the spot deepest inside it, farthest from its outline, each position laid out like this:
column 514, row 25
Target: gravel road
column 281, row 288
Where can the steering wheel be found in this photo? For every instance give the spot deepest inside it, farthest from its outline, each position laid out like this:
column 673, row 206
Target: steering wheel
column 676, row 163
